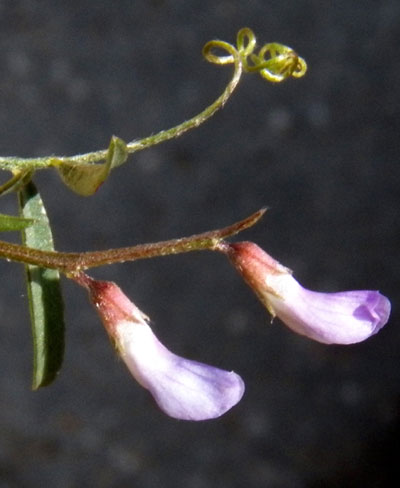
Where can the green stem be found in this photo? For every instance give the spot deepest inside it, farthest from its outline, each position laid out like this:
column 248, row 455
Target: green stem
column 275, row 62
column 71, row 263
column 15, row 163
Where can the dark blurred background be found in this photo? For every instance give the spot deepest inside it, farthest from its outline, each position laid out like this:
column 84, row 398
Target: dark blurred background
column 322, row 152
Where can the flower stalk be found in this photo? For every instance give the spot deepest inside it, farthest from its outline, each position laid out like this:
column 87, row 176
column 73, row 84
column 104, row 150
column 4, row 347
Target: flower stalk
column 70, row 263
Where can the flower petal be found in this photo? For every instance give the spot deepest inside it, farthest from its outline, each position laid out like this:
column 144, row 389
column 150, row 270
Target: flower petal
column 182, row 388
column 332, row 318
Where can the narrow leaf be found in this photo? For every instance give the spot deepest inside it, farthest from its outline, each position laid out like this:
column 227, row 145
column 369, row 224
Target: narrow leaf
column 44, row 293
column 85, row 179
column 10, row 223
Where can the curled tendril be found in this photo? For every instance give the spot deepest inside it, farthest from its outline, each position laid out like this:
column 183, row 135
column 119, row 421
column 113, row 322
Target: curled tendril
column 234, row 56
column 275, row 62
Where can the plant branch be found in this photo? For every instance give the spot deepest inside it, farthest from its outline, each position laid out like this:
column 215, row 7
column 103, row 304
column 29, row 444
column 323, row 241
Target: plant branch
column 15, row 163
column 71, row 263
column 275, row 63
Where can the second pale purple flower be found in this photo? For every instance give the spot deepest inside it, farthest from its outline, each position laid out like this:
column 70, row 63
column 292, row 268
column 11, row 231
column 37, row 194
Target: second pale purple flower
column 333, row 318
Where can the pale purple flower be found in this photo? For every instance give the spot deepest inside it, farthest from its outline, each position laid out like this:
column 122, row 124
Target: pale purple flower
column 332, row 318
column 182, row 388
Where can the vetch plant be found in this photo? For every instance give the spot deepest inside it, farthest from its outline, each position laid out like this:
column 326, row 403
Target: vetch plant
column 182, row 388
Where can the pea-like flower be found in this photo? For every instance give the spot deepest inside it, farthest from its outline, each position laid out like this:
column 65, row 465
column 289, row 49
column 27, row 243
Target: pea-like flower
column 182, row 388
column 332, row 318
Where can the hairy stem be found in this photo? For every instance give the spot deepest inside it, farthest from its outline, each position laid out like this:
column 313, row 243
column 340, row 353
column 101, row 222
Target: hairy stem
column 13, row 163
column 70, row 263
column 275, row 63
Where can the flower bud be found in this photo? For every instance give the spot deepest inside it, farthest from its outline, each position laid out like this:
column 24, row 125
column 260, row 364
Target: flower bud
column 332, row 318
column 182, row 388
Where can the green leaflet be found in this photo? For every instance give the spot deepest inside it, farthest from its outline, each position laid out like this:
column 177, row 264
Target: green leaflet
column 85, row 179
column 10, row 223
column 44, row 293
